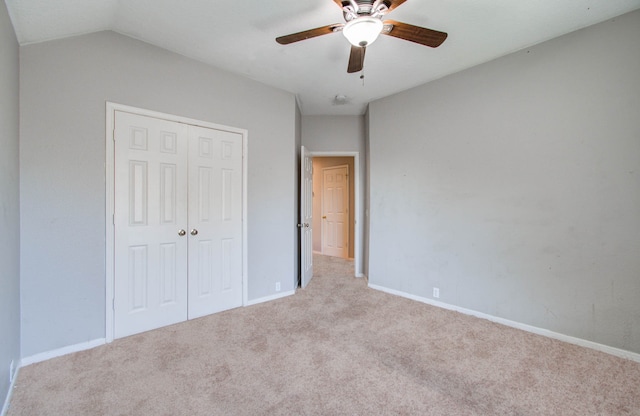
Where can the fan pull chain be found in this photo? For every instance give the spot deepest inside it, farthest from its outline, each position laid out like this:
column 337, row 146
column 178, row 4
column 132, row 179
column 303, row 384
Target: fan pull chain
column 362, row 78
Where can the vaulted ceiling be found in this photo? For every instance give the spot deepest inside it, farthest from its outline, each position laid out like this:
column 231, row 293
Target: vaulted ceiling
column 239, row 36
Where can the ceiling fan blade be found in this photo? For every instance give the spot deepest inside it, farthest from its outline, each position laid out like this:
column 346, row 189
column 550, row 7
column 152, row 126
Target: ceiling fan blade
column 308, row 34
column 392, row 4
column 356, row 59
column 417, row 34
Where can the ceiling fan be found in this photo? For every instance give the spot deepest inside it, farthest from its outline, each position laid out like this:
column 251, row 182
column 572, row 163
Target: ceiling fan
column 363, row 25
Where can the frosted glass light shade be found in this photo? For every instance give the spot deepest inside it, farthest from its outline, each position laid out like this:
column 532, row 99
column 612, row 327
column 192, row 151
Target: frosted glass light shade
column 362, row 31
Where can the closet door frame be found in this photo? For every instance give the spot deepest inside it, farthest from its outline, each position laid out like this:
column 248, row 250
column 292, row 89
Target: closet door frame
column 111, row 108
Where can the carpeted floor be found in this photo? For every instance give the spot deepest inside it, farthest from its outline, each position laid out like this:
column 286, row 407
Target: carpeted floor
column 335, row 348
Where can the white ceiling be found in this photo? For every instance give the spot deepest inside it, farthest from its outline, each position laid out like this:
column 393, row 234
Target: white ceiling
column 238, row 36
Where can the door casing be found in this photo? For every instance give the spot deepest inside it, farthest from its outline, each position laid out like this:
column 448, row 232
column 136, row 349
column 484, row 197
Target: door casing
column 358, row 255
column 111, row 108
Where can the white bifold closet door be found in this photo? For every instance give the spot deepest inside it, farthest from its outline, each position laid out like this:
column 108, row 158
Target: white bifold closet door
column 178, row 222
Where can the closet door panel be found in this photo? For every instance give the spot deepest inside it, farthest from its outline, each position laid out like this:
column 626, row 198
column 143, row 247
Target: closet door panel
column 150, row 255
column 215, row 221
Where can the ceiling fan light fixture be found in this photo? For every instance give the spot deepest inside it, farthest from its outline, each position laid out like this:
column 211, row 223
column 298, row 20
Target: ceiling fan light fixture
column 363, row 31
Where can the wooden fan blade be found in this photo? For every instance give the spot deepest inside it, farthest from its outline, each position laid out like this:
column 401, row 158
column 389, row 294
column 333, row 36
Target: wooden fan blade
column 340, row 3
column 417, row 34
column 308, row 34
column 392, row 4
column 356, row 59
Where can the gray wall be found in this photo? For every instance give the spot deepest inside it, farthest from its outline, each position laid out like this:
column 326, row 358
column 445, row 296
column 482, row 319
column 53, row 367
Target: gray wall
column 9, row 203
column 514, row 186
column 64, row 86
column 333, row 133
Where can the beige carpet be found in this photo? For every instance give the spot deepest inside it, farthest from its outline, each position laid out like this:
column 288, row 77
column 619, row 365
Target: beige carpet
column 335, row 348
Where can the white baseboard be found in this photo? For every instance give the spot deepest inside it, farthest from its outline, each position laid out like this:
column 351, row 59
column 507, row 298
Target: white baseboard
column 529, row 328
column 271, row 297
column 43, row 356
column 47, row 355
column 5, row 407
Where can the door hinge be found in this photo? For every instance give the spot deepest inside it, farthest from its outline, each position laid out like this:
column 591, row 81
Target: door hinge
column 113, row 304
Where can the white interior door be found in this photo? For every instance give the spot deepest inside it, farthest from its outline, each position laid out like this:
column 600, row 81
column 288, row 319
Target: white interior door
column 335, row 211
column 215, row 221
column 150, row 212
column 306, row 217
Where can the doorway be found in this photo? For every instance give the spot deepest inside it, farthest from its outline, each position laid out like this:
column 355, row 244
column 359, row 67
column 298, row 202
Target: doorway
column 307, row 219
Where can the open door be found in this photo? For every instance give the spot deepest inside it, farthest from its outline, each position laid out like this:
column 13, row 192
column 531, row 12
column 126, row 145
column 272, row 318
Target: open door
column 306, row 217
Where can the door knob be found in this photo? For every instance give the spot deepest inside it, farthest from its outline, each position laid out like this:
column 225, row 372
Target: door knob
column 181, row 233
column 194, row 232
column 324, row 217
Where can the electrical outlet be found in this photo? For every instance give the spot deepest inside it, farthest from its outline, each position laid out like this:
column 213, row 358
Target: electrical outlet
column 277, row 286
column 436, row 292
